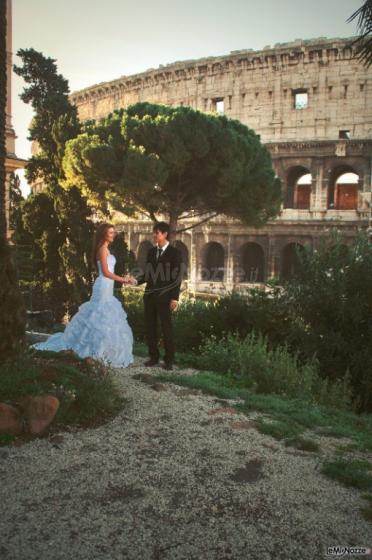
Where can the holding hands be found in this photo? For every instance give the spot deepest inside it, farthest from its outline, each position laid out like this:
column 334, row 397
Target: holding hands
column 128, row 279
column 173, row 304
column 132, row 281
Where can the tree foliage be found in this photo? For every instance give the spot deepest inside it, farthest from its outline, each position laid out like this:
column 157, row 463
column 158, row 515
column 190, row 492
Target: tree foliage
column 12, row 316
column 363, row 43
column 331, row 295
column 55, row 119
column 175, row 161
column 59, row 222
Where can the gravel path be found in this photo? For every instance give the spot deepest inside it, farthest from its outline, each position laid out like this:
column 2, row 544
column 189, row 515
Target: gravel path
column 171, row 478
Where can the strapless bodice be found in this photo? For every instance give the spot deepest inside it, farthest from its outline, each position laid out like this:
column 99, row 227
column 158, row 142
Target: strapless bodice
column 111, row 261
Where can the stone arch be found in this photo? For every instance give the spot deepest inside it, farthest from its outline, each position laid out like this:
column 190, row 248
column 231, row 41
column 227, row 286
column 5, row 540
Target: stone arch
column 142, row 250
column 185, row 257
column 252, row 263
column 213, row 260
column 343, row 188
column 289, row 259
column 298, row 188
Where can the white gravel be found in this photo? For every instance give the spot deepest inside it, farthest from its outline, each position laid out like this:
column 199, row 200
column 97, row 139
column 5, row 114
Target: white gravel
column 155, row 483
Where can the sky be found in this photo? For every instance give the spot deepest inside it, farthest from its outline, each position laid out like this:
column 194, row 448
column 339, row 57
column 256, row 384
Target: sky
column 94, row 41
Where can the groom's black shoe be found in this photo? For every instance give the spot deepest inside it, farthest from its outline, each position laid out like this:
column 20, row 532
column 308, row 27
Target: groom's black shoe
column 151, row 362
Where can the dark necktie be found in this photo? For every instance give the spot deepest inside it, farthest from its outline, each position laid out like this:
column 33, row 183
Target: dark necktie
column 160, row 250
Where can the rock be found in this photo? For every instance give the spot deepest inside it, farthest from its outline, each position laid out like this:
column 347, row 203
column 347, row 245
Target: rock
column 10, row 420
column 226, row 410
column 39, row 412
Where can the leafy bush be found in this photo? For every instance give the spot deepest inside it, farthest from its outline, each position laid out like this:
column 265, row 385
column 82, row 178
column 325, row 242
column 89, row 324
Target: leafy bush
column 86, row 391
column 132, row 301
column 196, row 321
column 12, row 314
column 252, row 364
column 331, row 295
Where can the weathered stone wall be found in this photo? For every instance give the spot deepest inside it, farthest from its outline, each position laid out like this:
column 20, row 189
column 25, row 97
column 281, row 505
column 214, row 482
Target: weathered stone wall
column 258, row 88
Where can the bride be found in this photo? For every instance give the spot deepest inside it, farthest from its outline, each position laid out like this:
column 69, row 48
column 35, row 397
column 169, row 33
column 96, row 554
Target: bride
column 99, row 329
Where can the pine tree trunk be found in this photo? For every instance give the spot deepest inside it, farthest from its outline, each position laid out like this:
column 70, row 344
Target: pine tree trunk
column 173, row 222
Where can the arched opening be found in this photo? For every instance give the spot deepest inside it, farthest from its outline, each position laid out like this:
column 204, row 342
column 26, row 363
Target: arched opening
column 213, row 262
column 185, row 258
column 343, row 189
column 298, row 188
column 142, row 251
column 252, row 259
column 289, row 261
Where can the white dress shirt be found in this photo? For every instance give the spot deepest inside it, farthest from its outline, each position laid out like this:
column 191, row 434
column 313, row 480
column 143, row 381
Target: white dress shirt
column 162, row 250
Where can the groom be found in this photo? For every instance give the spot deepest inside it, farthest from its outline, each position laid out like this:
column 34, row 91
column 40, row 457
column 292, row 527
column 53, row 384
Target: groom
column 163, row 276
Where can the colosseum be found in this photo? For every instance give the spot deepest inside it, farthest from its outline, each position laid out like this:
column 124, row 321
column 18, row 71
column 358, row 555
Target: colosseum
column 311, row 103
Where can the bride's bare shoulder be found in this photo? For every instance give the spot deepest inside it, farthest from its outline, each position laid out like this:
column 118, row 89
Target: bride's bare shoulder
column 102, row 253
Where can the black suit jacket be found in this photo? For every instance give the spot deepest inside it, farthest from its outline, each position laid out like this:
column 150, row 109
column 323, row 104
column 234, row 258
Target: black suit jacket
column 163, row 277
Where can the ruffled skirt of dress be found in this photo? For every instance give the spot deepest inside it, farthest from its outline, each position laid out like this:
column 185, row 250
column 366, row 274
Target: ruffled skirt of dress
column 98, row 330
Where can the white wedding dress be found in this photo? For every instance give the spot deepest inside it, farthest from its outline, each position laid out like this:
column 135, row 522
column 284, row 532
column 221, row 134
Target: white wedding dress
column 99, row 329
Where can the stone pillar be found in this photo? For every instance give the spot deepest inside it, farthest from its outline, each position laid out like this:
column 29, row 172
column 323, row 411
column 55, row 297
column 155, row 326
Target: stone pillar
column 193, row 263
column 324, row 182
column 229, row 281
column 316, row 202
column 365, row 188
column 129, row 238
column 270, row 268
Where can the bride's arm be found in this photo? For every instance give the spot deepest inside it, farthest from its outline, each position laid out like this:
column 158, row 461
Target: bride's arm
column 102, row 255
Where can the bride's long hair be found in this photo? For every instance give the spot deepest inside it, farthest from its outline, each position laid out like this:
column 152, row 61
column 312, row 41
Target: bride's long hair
column 98, row 240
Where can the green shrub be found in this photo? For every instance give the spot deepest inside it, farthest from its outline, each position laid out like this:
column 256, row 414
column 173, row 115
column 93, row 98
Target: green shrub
column 196, row 321
column 351, row 473
column 132, row 301
column 252, row 364
column 87, row 392
column 12, row 309
column 331, row 295
column 323, row 314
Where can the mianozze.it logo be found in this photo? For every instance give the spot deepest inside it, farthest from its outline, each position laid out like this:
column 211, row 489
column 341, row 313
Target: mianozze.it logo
column 348, row 551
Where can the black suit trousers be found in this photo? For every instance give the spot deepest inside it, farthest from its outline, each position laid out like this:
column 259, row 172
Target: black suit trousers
column 157, row 306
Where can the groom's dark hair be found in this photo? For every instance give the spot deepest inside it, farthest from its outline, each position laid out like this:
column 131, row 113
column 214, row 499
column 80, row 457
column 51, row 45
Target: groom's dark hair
column 161, row 226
